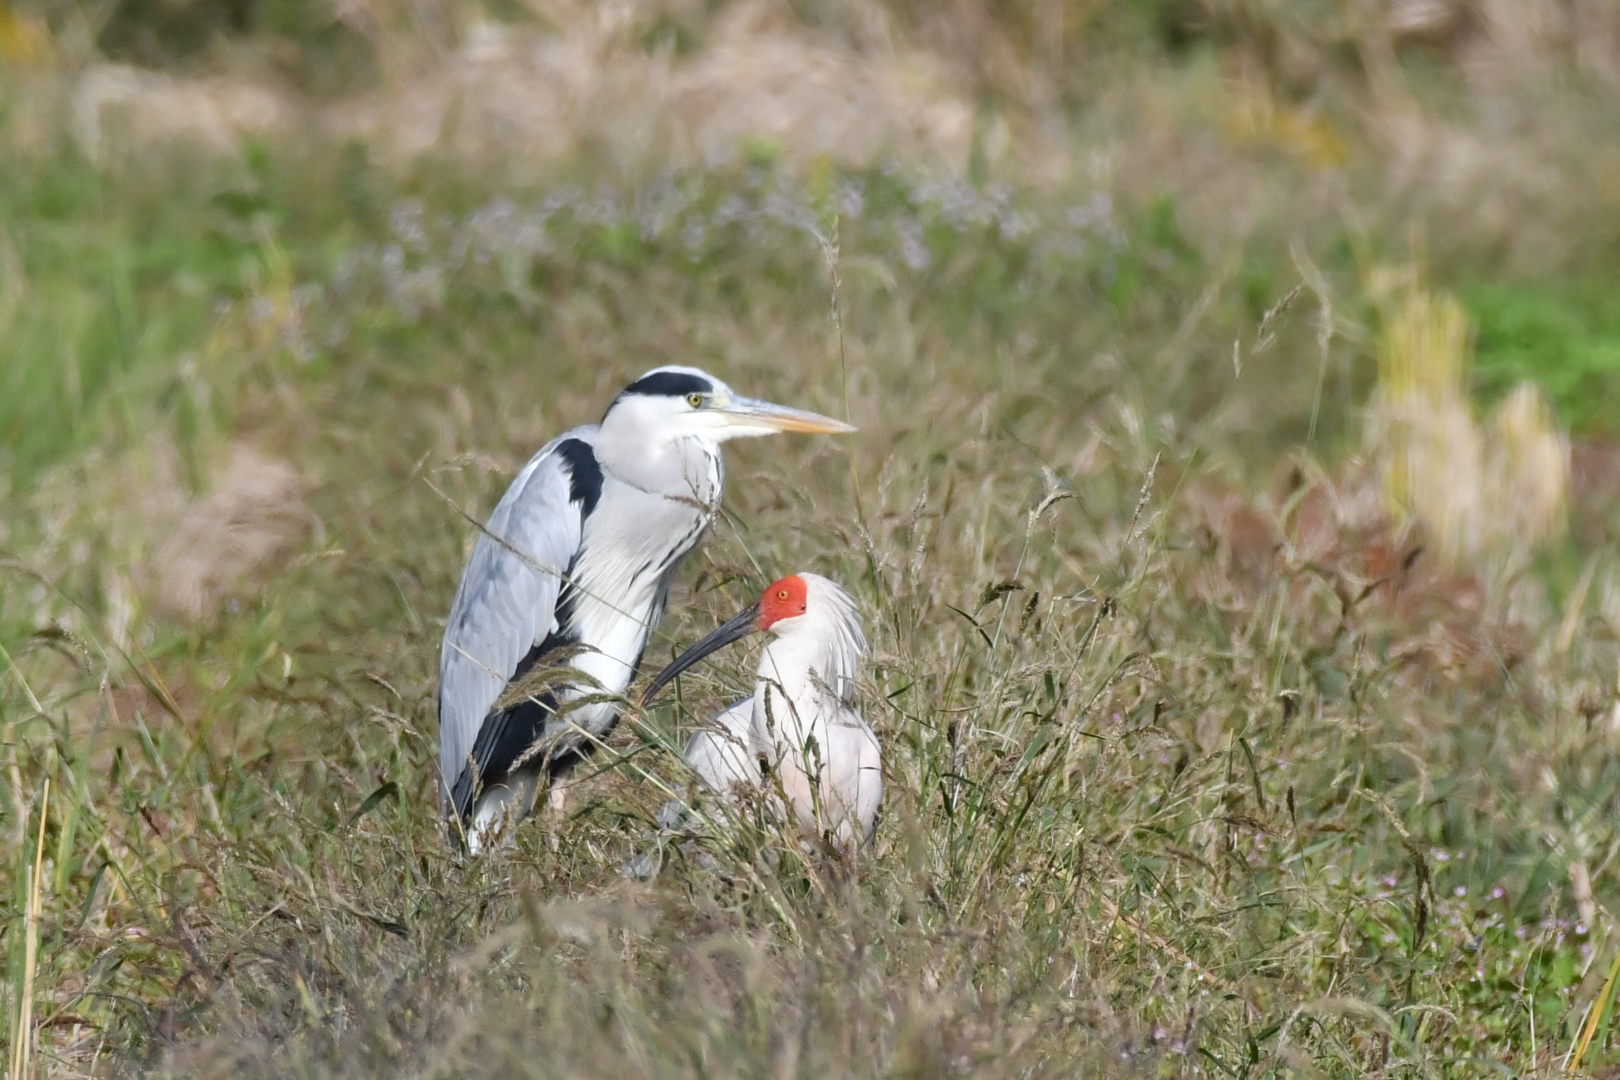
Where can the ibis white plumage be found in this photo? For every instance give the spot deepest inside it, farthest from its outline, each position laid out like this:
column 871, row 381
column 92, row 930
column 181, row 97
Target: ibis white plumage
column 573, row 570
column 801, row 733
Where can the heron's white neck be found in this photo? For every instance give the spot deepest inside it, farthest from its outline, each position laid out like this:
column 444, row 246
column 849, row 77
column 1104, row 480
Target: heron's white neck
column 682, row 465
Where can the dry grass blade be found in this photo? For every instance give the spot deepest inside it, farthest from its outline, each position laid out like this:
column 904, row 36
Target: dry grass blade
column 22, row 1034
column 1600, row 1010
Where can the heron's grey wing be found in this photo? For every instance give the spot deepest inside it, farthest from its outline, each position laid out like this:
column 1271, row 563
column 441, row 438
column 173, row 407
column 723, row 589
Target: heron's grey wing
column 723, row 753
column 507, row 601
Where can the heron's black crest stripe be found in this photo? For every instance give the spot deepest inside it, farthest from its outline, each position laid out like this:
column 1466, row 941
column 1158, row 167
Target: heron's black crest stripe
column 670, row 384
column 584, row 474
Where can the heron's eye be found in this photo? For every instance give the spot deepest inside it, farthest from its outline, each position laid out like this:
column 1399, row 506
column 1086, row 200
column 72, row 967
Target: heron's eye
column 695, row 400
column 781, row 594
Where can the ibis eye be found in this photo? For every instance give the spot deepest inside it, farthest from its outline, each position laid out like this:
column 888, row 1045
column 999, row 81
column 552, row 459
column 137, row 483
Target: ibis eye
column 781, row 594
column 695, row 400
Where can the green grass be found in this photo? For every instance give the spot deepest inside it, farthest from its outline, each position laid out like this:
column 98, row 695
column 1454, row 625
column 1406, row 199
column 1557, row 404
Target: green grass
column 1564, row 336
column 1162, row 800
column 99, row 288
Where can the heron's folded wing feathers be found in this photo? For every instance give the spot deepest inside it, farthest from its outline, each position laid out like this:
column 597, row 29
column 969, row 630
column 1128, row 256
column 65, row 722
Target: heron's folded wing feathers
column 507, row 602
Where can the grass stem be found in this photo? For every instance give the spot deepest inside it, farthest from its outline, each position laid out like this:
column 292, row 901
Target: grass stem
column 22, row 1041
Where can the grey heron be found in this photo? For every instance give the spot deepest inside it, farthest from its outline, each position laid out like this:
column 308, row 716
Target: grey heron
column 801, row 728
column 572, row 572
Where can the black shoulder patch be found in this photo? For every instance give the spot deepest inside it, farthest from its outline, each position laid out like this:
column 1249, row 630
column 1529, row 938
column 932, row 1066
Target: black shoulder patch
column 584, row 474
column 670, row 384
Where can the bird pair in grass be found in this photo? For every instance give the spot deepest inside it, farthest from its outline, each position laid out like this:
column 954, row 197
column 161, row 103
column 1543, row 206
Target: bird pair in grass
column 568, row 580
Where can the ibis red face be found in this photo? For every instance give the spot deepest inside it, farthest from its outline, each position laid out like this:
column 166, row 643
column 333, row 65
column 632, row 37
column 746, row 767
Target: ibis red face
column 785, row 599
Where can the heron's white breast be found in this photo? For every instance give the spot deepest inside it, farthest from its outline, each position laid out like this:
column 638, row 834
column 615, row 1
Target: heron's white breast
column 632, row 545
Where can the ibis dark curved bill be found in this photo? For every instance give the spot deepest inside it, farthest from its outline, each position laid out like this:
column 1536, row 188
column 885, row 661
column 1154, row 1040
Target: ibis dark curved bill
column 736, row 628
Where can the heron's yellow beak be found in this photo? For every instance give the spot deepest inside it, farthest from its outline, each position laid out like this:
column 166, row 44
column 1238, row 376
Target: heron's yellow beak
column 764, row 418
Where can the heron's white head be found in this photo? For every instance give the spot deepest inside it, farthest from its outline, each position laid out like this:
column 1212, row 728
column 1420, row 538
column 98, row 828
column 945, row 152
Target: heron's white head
column 671, row 403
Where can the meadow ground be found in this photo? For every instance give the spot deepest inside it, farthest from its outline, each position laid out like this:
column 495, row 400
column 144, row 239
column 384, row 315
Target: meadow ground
column 1205, row 755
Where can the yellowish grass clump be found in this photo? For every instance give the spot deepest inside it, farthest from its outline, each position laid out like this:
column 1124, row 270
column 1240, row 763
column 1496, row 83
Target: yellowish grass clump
column 1481, row 488
column 1258, row 117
